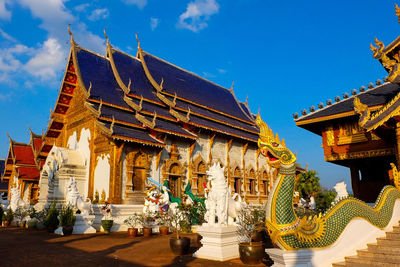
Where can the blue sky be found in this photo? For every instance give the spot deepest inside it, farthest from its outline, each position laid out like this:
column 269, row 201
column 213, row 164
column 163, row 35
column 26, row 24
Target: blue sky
column 283, row 55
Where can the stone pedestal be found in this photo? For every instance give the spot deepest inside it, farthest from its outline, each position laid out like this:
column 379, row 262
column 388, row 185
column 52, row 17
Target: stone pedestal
column 83, row 225
column 219, row 242
column 292, row 258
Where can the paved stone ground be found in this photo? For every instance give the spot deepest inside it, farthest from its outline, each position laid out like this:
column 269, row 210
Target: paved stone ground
column 21, row 247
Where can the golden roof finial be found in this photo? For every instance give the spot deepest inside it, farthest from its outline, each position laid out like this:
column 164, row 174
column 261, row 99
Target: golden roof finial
column 154, row 119
column 188, row 114
column 100, row 106
column 137, row 40
column 129, row 85
column 233, row 83
column 70, row 32
column 90, row 88
column 141, row 102
column 105, row 34
column 112, row 125
column 397, row 9
column 161, row 83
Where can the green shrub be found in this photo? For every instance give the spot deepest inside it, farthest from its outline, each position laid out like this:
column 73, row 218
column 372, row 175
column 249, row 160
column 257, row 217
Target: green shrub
column 67, row 217
column 51, row 219
column 8, row 216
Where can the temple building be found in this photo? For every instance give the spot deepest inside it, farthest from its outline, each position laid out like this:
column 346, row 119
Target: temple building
column 361, row 131
column 3, row 184
column 134, row 117
column 22, row 168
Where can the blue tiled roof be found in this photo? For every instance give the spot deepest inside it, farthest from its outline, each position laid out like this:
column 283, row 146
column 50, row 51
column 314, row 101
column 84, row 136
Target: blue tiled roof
column 2, row 165
column 132, row 133
column 97, row 71
column 193, row 88
column 130, row 68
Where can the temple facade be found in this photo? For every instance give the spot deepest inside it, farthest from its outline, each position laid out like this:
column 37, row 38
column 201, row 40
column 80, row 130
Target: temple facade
column 361, row 130
column 22, row 168
column 134, row 117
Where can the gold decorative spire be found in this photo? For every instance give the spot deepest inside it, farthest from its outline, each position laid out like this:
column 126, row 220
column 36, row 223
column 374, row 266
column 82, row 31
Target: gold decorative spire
column 129, row 86
column 70, row 32
column 397, row 9
column 105, row 34
column 161, row 83
column 396, row 176
column 361, row 109
column 139, row 49
column 90, row 88
column 112, row 125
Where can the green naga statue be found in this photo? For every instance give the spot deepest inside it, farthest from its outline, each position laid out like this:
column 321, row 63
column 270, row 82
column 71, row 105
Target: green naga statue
column 290, row 232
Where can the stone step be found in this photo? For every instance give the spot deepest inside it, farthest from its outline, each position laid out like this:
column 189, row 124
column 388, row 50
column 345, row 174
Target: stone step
column 383, row 249
column 379, row 256
column 393, row 235
column 339, row 264
column 351, row 260
column 396, row 229
column 384, row 241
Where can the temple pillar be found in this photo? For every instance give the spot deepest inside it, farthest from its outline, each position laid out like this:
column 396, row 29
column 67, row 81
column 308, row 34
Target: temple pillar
column 355, row 180
column 398, row 142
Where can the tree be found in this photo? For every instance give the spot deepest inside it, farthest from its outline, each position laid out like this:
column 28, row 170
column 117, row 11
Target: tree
column 308, row 184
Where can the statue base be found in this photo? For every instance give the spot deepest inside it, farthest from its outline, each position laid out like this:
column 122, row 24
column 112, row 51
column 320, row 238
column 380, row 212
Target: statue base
column 219, row 242
column 293, row 258
column 83, row 225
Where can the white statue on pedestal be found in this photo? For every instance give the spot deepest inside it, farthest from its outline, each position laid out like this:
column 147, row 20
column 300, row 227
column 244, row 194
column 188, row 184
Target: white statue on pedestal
column 75, row 199
column 219, row 202
column 3, row 201
column 341, row 190
column 15, row 199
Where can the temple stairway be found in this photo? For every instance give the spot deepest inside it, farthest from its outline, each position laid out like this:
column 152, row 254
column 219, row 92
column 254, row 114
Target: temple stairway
column 385, row 252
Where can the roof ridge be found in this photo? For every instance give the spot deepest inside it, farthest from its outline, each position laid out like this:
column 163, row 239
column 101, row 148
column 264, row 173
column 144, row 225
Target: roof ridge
column 88, row 50
column 126, row 54
column 187, row 71
column 338, row 102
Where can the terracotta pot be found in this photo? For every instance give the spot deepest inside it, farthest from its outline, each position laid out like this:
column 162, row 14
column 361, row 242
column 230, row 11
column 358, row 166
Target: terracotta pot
column 179, row 246
column 67, row 230
column 107, row 224
column 251, row 254
column 132, row 232
column 147, row 231
column 164, row 230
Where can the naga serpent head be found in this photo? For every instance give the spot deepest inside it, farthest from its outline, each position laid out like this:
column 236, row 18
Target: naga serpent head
column 271, row 147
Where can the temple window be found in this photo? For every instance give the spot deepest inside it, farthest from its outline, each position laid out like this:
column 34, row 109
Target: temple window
column 252, row 181
column 174, row 180
column 237, row 178
column 201, row 178
column 265, row 182
column 139, row 172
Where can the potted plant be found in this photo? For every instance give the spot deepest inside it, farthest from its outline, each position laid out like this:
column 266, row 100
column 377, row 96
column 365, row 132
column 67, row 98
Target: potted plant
column 147, row 223
column 132, row 222
column 41, row 217
column 1, row 213
column 107, row 222
column 179, row 245
column 19, row 215
column 51, row 222
column 67, row 219
column 250, row 222
column 31, row 222
column 8, row 216
column 163, row 223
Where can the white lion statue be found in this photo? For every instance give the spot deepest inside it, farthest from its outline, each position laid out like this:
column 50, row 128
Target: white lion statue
column 341, row 190
column 3, row 201
column 219, row 202
column 75, row 199
column 15, row 199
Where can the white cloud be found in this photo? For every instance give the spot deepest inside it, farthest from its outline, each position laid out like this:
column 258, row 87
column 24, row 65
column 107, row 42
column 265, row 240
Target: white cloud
column 196, row 14
column 81, row 7
column 8, row 58
column 53, row 13
column 48, row 59
column 139, row 3
column 98, row 14
column 222, row 71
column 7, row 36
column 4, row 12
column 154, row 23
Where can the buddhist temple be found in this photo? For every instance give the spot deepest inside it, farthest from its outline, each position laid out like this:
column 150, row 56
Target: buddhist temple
column 134, row 117
column 3, row 184
column 361, row 130
column 22, row 167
